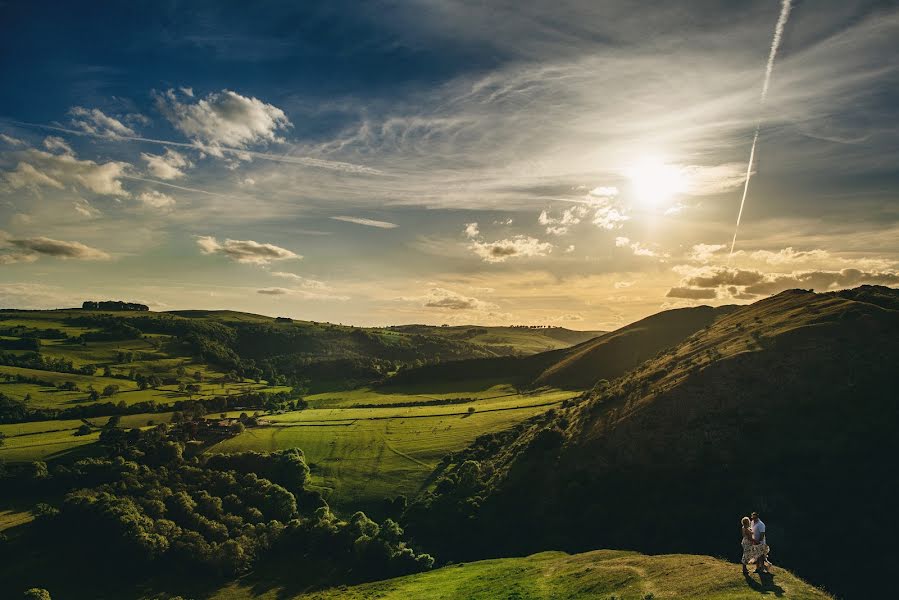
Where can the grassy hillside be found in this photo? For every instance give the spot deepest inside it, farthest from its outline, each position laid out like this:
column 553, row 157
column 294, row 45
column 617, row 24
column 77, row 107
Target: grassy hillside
column 607, row 356
column 786, row 406
column 602, row 574
column 615, row 353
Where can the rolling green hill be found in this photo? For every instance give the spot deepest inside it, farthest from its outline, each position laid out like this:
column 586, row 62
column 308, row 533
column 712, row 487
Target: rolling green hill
column 602, row 574
column 786, row 406
column 76, row 345
column 579, row 367
column 615, row 353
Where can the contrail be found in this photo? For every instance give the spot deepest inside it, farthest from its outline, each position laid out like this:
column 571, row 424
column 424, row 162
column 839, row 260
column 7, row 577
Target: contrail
column 785, row 7
column 307, row 161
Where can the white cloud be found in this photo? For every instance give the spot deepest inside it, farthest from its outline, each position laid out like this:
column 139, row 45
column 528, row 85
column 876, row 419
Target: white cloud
column 302, row 281
column 449, row 300
column 43, row 169
column 366, row 222
column 245, row 251
column 155, row 199
column 52, row 143
column 637, row 248
column 517, row 246
column 85, row 209
column 302, row 294
column 223, row 119
column 704, row 252
column 95, row 122
column 560, row 225
column 166, row 166
column 623, row 284
column 10, row 140
column 471, row 230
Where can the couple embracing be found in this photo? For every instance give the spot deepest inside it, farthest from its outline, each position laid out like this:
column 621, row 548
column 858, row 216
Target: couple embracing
column 755, row 547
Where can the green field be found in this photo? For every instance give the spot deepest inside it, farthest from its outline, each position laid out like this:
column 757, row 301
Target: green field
column 361, row 455
column 602, row 575
column 43, row 446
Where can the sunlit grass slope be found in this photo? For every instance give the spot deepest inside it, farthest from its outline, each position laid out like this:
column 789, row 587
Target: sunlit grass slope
column 599, row 575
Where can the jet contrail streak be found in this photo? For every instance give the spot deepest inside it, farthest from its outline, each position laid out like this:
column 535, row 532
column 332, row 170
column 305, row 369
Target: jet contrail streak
column 785, row 7
column 307, row 161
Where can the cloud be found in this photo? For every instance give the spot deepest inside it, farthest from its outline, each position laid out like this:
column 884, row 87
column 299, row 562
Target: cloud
column 691, row 293
column 623, row 284
column 302, row 281
column 517, row 246
column 704, row 252
column 95, row 122
column 10, row 140
column 302, row 294
column 155, row 199
column 367, row 222
column 707, row 282
column 52, row 143
column 245, row 251
column 471, row 230
column 637, row 248
column 57, row 248
column 166, row 166
column 42, row 169
column 223, row 119
column 447, row 299
column 85, row 208
column 569, row 217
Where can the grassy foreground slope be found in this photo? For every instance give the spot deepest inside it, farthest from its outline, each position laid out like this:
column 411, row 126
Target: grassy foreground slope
column 601, row 575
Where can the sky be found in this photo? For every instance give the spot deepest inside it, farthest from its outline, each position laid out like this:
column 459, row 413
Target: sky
column 568, row 163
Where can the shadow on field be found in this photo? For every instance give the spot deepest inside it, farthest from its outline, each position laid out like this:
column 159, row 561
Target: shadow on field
column 765, row 585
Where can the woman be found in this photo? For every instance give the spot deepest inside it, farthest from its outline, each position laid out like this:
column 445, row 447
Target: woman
column 753, row 552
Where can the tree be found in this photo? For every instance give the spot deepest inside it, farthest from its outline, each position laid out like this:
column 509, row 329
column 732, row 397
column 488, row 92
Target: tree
column 141, row 381
column 37, row 594
column 191, row 389
column 471, row 410
column 107, row 372
column 84, row 429
column 2, row 439
column 110, row 390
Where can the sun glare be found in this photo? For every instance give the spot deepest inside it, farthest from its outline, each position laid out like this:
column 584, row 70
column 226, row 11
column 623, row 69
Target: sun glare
column 656, row 183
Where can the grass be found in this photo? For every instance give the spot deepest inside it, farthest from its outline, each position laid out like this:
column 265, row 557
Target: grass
column 44, row 445
column 600, row 575
column 10, row 517
column 360, row 456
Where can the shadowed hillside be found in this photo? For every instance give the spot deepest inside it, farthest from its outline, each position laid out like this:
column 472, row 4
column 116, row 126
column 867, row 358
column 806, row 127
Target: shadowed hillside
column 614, row 353
column 604, row 357
column 786, row 406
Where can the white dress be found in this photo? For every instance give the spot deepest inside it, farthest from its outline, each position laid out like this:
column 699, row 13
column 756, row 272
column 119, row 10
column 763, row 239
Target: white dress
column 753, row 553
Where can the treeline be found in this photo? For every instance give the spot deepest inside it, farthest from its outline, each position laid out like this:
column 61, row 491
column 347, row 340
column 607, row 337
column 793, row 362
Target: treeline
column 36, row 361
column 147, row 509
column 16, row 411
column 113, row 305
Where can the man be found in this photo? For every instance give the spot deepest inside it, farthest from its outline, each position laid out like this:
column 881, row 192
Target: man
column 758, row 537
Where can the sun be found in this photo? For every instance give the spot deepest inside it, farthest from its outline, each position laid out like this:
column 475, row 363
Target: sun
column 656, row 183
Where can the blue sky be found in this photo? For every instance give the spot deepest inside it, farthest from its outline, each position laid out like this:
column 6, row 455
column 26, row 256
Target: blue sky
column 567, row 163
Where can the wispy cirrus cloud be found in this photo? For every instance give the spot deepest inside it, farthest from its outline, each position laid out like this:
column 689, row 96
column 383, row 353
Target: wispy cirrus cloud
column 367, row 222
